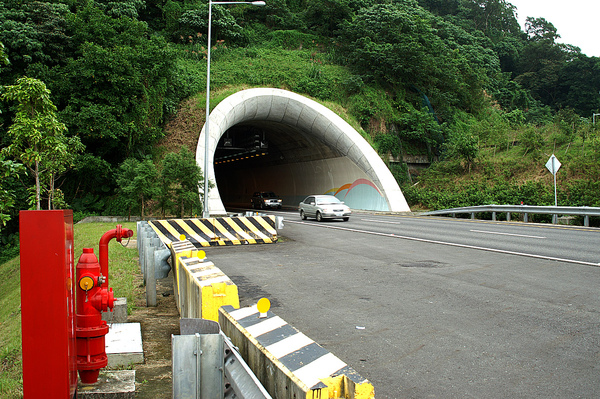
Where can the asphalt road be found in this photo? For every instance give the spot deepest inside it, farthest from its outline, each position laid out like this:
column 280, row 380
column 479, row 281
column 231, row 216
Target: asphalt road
column 434, row 307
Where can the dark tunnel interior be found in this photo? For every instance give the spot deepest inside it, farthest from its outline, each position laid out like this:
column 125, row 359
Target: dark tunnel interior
column 260, row 149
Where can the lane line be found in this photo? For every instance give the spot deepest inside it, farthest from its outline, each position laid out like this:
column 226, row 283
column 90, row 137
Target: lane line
column 494, row 222
column 505, row 234
column 501, row 251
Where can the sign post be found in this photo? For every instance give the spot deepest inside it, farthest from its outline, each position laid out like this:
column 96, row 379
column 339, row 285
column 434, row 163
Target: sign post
column 553, row 165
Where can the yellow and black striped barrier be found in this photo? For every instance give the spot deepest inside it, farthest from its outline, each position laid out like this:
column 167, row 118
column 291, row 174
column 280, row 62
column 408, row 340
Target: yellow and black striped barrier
column 287, row 362
column 218, row 231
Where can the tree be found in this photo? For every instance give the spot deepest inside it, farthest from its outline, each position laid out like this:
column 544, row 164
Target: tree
column 34, row 34
column 58, row 161
column 462, row 144
column 224, row 25
column 8, row 169
column 182, row 179
column 138, row 183
column 404, row 46
column 325, row 16
column 3, row 57
column 542, row 60
column 38, row 137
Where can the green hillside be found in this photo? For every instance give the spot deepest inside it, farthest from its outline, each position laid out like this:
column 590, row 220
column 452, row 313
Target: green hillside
column 118, row 86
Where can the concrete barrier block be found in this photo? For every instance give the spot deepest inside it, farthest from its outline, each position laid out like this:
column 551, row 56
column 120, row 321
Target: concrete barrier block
column 124, row 344
column 207, row 289
column 219, row 231
column 288, row 363
column 119, row 312
column 118, row 384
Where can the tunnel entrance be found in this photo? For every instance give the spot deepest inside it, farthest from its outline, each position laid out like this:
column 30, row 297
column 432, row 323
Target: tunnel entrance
column 252, row 156
column 275, row 140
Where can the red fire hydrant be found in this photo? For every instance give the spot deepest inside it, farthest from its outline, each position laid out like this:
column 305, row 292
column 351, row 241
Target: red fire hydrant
column 92, row 300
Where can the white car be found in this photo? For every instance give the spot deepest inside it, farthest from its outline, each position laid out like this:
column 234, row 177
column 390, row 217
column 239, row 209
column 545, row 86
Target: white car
column 324, row 207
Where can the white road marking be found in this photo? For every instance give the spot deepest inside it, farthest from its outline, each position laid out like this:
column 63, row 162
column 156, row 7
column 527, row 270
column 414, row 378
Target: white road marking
column 505, row 234
column 501, row 251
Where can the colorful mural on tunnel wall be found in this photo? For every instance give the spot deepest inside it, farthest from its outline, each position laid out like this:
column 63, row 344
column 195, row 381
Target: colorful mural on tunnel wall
column 361, row 194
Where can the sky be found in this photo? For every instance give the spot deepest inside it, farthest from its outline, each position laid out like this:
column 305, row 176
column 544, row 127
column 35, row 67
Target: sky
column 577, row 21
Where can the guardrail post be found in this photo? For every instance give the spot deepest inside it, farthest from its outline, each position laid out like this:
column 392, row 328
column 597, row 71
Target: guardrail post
column 198, row 366
column 279, row 222
column 150, row 275
column 526, row 217
column 508, row 216
column 586, row 221
column 555, row 219
column 472, row 215
column 494, row 216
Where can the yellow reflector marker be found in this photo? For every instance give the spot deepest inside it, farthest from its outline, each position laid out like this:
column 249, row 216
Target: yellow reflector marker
column 200, row 254
column 263, row 307
column 182, row 237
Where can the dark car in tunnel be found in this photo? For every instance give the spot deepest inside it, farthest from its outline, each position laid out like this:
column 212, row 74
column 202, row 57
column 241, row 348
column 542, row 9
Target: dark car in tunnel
column 265, row 199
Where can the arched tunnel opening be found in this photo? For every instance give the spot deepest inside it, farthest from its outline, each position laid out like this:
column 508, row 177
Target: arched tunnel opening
column 262, row 156
column 268, row 139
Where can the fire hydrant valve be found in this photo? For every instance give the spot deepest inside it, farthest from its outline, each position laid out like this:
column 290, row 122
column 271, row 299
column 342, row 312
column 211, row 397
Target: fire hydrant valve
column 92, row 300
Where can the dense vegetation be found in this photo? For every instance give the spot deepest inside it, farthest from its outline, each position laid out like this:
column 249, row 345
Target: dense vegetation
column 457, row 81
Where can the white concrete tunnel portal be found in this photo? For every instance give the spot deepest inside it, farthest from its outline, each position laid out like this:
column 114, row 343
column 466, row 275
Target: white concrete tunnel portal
column 275, row 140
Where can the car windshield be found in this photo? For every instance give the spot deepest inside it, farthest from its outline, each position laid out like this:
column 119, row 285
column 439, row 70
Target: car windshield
column 269, row 195
column 329, row 200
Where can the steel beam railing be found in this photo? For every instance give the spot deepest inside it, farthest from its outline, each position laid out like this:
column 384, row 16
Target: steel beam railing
column 526, row 210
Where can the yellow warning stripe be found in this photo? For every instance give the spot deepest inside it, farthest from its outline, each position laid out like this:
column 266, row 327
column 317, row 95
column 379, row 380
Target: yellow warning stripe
column 226, row 232
column 211, row 234
column 190, row 233
column 160, row 234
column 167, row 226
column 267, row 226
column 217, row 231
column 255, row 230
column 238, row 231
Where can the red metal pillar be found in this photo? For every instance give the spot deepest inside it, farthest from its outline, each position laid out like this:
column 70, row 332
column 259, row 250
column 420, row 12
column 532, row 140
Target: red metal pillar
column 48, row 304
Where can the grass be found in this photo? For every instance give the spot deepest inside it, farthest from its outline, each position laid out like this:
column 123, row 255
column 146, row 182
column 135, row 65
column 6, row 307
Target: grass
column 123, row 267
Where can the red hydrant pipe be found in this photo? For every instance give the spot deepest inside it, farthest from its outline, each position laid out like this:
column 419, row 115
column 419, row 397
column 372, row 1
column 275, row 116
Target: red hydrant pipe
column 118, row 233
column 92, row 300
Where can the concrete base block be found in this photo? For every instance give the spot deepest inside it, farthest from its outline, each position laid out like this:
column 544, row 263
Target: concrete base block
column 119, row 313
column 566, row 220
column 124, row 344
column 111, row 385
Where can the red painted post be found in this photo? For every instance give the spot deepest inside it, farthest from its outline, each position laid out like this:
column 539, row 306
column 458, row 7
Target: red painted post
column 48, row 304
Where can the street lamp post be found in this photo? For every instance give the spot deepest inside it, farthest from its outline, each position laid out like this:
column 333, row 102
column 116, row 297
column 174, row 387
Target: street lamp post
column 205, row 211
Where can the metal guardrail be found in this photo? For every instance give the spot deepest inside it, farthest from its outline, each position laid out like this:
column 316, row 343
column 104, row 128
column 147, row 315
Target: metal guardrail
column 206, row 365
column 584, row 211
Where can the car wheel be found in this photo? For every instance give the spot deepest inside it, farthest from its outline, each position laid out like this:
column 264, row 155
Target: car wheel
column 302, row 214
column 319, row 217
column 345, row 219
